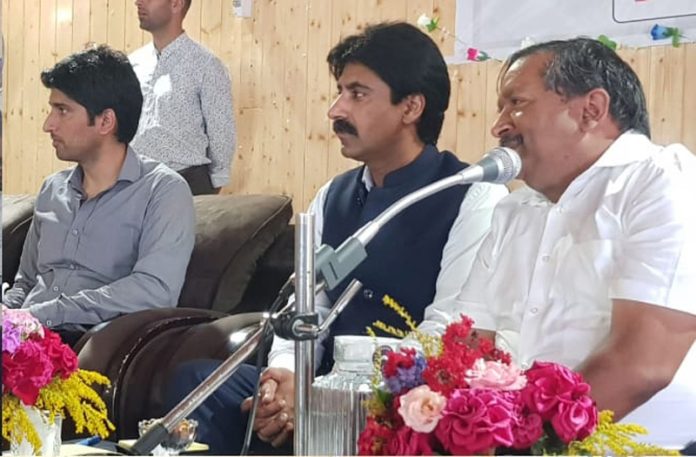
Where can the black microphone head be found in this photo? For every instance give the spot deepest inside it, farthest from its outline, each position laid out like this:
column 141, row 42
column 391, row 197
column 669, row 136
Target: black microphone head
column 500, row 165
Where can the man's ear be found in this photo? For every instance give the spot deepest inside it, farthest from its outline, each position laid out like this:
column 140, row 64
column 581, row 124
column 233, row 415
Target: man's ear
column 106, row 122
column 178, row 7
column 595, row 109
column 414, row 105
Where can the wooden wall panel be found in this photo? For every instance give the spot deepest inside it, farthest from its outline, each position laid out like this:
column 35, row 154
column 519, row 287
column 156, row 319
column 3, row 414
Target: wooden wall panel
column 13, row 91
column 281, row 84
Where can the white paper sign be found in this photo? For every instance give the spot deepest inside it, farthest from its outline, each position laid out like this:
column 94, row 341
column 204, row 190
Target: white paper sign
column 498, row 27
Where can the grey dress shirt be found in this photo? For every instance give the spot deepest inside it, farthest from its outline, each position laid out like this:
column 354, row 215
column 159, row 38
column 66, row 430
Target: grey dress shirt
column 187, row 116
column 125, row 250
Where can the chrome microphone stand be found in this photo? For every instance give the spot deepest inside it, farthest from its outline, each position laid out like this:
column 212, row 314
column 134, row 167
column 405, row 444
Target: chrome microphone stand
column 304, row 348
column 302, row 325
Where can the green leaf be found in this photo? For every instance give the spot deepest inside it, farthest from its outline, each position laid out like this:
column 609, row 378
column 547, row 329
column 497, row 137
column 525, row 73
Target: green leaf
column 676, row 36
column 608, row 42
column 433, row 24
column 383, row 396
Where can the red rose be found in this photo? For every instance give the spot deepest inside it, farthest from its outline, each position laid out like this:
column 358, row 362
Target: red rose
column 575, row 420
column 476, row 421
column 406, row 441
column 26, row 371
column 372, row 440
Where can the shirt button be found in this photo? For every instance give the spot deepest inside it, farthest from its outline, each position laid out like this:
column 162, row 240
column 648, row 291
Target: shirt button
column 524, row 365
column 545, row 258
column 49, row 323
column 72, row 267
column 56, row 288
column 534, row 310
column 559, row 209
column 74, row 232
column 368, row 294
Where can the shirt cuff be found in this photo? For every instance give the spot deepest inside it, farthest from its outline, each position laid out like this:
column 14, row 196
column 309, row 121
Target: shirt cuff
column 48, row 313
column 630, row 289
column 283, row 360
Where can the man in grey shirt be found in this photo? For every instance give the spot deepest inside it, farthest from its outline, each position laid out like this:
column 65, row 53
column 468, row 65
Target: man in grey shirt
column 114, row 234
column 188, row 120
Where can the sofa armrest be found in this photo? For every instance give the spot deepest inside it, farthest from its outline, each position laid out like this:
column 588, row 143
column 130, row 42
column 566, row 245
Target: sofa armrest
column 17, row 212
column 138, row 352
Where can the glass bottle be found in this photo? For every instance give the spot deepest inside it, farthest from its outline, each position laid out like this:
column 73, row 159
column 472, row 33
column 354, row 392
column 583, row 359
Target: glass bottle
column 337, row 410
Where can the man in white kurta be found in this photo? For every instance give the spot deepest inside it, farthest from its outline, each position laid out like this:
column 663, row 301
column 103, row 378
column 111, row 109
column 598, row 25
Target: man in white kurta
column 594, row 264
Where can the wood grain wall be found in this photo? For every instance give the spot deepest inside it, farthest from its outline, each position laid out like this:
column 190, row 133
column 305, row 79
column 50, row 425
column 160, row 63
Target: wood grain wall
column 282, row 87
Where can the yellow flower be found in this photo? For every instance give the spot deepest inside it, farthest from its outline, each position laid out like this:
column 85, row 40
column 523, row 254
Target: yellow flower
column 72, row 395
column 615, row 439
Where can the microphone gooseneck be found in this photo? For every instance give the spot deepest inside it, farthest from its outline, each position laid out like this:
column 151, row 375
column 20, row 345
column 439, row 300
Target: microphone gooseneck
column 499, row 165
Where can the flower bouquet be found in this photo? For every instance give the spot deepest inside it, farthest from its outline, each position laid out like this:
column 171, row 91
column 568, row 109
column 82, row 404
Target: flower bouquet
column 463, row 396
column 40, row 372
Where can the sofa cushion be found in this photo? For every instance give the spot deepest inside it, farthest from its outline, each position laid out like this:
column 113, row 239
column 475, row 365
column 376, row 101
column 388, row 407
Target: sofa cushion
column 17, row 211
column 273, row 269
column 232, row 233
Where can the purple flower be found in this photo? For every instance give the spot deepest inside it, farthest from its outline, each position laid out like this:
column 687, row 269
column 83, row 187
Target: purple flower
column 407, row 378
column 10, row 337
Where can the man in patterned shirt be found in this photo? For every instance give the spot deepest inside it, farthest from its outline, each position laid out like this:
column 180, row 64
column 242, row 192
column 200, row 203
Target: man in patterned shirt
column 187, row 120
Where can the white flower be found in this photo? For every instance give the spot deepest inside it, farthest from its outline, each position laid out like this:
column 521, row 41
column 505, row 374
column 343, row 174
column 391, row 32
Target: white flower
column 424, row 21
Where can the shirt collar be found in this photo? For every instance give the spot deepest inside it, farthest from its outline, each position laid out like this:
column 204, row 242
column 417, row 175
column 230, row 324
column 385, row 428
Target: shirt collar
column 174, row 46
column 131, row 170
column 629, row 147
column 403, row 174
column 132, row 167
column 75, row 179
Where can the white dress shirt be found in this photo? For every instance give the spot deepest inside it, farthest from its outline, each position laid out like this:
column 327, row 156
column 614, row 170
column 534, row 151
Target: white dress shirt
column 545, row 277
column 467, row 233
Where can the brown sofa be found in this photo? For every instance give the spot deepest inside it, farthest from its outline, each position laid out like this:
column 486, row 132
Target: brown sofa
column 242, row 255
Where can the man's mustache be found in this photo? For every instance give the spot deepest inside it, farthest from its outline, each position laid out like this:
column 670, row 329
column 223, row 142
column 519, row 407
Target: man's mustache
column 341, row 126
column 512, row 141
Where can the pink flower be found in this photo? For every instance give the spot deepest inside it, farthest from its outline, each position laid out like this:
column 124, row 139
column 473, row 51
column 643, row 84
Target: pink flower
column 476, row 421
column 27, row 324
column 476, row 55
column 549, row 383
column 409, row 442
column 26, row 371
column 421, row 408
column 63, row 358
column 495, row 375
column 527, row 431
column 575, row 420
column 561, row 396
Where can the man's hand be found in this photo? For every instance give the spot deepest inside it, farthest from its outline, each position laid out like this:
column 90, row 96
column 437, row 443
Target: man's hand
column 274, row 421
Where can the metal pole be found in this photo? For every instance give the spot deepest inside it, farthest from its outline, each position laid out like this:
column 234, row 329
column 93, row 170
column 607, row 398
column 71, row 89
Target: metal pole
column 304, row 350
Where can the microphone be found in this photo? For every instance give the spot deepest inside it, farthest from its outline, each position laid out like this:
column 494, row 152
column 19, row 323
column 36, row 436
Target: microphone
column 499, row 165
